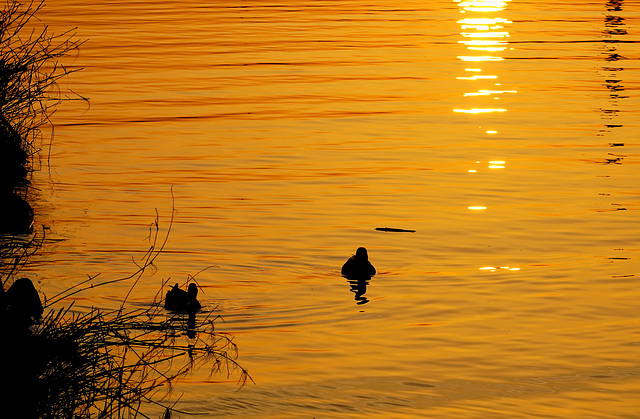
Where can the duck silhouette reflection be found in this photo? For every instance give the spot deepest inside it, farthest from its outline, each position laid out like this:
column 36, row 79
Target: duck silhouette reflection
column 358, row 271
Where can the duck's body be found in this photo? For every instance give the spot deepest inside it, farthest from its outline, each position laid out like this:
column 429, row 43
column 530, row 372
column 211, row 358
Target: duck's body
column 358, row 265
column 180, row 300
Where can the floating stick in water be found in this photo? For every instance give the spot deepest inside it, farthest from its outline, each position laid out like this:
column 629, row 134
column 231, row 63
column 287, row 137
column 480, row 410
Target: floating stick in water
column 395, row 230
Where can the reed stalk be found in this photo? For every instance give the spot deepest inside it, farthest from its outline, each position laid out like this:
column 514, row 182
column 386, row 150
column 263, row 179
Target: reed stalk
column 30, row 69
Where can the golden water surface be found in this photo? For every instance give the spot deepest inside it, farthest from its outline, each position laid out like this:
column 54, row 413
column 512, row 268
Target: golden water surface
column 505, row 133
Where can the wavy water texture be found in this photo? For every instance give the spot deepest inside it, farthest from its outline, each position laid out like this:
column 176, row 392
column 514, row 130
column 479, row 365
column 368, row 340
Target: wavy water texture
column 291, row 131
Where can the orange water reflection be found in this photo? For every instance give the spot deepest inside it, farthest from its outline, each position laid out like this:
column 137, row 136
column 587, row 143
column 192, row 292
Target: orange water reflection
column 290, row 132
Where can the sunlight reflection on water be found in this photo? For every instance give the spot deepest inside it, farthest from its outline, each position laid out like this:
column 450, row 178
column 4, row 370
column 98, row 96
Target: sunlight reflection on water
column 290, row 132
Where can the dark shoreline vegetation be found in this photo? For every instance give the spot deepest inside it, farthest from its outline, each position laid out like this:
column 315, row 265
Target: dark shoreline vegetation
column 59, row 362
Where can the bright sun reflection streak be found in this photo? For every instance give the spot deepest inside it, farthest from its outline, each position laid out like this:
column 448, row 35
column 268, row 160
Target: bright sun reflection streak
column 488, row 92
column 480, row 110
column 476, row 27
column 482, row 42
column 483, row 21
column 479, row 58
column 484, row 45
column 497, row 91
column 482, row 5
column 485, row 34
column 488, row 49
column 476, row 77
column 489, row 36
column 493, row 268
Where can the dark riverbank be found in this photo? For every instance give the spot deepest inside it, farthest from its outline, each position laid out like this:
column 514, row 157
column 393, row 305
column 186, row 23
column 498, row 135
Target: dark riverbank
column 16, row 214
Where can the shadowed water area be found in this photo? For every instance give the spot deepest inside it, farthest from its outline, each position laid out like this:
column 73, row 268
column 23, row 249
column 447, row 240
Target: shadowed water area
column 503, row 133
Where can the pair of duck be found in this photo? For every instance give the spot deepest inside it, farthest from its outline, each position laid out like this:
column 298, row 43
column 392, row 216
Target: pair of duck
column 357, row 266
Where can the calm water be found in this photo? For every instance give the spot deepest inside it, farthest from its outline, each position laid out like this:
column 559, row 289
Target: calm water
column 504, row 133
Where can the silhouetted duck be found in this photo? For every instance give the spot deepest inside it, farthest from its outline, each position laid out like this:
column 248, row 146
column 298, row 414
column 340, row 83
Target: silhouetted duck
column 358, row 265
column 180, row 300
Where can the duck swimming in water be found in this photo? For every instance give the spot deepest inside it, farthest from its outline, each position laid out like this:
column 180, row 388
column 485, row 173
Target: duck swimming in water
column 180, row 300
column 358, row 265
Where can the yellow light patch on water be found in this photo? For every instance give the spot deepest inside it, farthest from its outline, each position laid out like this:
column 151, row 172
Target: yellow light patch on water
column 483, row 42
column 472, row 171
column 488, row 49
column 493, row 268
column 472, row 69
column 479, row 110
column 477, row 27
column 484, row 9
column 485, row 34
column 479, row 58
column 497, row 91
column 486, row 92
column 477, row 208
column 492, row 132
column 482, row 5
column 477, row 77
column 497, row 162
column 483, row 21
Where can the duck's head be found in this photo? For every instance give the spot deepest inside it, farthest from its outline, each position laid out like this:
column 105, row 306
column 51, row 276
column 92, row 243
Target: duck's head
column 361, row 254
column 192, row 290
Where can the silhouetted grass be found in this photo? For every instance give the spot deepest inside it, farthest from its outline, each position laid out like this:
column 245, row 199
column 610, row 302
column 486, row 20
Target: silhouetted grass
column 109, row 363
column 30, row 69
column 15, row 251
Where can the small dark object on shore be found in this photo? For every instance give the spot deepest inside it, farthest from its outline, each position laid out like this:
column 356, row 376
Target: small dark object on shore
column 16, row 215
column 395, row 230
column 181, row 300
column 20, row 306
column 358, row 265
